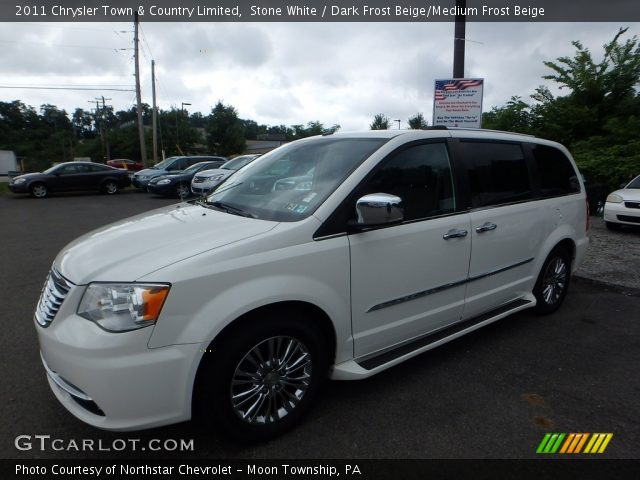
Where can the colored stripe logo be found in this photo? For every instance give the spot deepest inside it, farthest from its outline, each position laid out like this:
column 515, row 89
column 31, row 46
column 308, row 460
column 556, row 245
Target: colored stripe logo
column 574, row 443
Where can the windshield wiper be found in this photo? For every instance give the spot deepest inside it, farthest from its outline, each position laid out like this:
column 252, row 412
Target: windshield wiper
column 230, row 209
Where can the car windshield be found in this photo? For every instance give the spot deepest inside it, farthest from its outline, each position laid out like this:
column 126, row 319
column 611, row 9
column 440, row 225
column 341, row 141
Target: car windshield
column 195, row 167
column 288, row 184
column 51, row 169
column 635, row 183
column 237, row 163
column 164, row 162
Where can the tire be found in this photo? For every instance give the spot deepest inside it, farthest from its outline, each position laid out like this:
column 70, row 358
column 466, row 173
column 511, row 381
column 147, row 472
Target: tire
column 183, row 190
column 553, row 281
column 110, row 187
column 613, row 226
column 244, row 387
column 38, row 190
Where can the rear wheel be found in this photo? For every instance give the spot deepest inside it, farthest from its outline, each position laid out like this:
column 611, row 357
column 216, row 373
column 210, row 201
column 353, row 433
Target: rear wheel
column 553, row 281
column 39, row 190
column 260, row 381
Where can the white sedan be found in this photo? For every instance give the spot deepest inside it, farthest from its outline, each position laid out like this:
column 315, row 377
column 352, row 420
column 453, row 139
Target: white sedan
column 623, row 206
column 206, row 181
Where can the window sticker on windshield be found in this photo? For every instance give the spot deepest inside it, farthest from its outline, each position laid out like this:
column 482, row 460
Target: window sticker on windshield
column 309, row 197
column 296, row 207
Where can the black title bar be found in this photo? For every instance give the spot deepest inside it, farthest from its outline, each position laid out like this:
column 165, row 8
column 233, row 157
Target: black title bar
column 318, row 11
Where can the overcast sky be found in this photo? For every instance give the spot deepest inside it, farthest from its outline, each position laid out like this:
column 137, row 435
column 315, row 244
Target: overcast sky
column 284, row 73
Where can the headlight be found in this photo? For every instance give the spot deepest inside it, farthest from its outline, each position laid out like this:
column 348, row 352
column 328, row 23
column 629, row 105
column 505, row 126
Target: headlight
column 215, row 178
column 614, row 198
column 122, row 307
column 18, row 181
column 164, row 181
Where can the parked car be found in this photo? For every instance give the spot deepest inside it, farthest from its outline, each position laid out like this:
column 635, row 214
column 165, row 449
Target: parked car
column 172, row 164
column 126, row 164
column 623, row 206
column 178, row 184
column 206, row 181
column 71, row 176
column 239, row 304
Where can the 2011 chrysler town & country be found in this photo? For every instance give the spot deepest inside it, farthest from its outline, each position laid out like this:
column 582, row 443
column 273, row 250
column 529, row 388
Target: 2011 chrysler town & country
column 340, row 256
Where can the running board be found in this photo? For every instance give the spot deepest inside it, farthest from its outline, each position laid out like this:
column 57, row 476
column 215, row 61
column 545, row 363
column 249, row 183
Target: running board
column 381, row 358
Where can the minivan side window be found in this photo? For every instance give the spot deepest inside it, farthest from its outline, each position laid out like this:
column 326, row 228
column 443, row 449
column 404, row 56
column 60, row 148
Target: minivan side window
column 421, row 176
column 555, row 172
column 497, row 172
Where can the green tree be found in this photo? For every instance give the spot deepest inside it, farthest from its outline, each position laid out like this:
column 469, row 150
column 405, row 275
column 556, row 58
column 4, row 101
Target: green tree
column 417, row 122
column 515, row 116
column 380, row 122
column 225, row 131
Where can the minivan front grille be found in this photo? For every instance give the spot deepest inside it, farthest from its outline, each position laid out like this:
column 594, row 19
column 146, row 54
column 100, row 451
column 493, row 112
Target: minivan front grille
column 53, row 294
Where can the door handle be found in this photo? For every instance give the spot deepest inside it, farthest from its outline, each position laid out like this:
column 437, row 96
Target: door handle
column 486, row 226
column 454, row 233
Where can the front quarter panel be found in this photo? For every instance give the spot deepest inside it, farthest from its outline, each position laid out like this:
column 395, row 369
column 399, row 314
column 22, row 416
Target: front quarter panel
column 213, row 289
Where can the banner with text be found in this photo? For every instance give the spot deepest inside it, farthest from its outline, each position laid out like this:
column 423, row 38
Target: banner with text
column 457, row 102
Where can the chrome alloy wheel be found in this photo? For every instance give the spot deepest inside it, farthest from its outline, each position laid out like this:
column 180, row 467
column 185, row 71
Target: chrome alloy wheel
column 39, row 190
column 554, row 281
column 183, row 190
column 270, row 380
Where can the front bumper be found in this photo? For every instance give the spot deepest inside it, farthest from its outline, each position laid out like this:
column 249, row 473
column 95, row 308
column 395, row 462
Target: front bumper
column 169, row 189
column 19, row 188
column 115, row 381
column 619, row 213
column 202, row 188
column 140, row 183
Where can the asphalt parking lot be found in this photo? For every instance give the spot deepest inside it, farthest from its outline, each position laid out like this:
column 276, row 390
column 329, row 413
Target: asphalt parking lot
column 491, row 394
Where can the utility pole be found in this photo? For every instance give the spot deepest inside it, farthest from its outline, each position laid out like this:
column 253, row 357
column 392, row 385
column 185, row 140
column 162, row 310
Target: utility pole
column 105, row 126
column 143, row 147
column 459, row 39
column 155, row 112
column 99, row 126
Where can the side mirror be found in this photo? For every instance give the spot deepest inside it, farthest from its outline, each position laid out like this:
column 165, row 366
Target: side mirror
column 378, row 209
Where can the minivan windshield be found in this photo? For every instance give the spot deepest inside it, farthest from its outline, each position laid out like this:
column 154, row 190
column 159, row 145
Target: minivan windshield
column 289, row 183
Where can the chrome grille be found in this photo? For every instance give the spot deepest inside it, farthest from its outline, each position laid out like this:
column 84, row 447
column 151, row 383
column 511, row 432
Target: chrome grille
column 54, row 292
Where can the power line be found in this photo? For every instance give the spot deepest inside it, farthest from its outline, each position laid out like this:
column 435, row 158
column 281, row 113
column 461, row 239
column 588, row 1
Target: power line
column 66, row 88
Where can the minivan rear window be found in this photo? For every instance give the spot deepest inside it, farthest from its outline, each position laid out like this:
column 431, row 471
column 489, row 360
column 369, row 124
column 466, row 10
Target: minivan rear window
column 555, row 172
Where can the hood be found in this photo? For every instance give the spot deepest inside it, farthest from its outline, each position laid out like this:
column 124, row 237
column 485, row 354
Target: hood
column 629, row 193
column 28, row 176
column 131, row 248
column 214, row 172
column 149, row 171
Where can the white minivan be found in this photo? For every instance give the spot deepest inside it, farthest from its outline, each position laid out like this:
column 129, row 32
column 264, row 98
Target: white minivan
column 334, row 256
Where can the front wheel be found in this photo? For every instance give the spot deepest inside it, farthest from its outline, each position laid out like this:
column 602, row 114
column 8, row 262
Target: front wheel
column 260, row 381
column 110, row 187
column 183, row 190
column 553, row 281
column 39, row 190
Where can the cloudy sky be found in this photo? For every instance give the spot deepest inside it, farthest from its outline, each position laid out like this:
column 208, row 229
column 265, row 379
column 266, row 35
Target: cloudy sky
column 283, row 73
